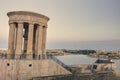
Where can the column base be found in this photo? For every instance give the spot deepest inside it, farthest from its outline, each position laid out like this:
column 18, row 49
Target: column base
column 17, row 56
column 9, row 56
column 44, row 56
column 39, row 57
column 29, row 56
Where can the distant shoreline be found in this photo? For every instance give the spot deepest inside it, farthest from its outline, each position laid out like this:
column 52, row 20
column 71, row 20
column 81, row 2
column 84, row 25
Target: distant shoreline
column 92, row 53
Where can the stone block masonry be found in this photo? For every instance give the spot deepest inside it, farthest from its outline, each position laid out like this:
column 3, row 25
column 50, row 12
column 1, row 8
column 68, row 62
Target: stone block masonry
column 26, row 69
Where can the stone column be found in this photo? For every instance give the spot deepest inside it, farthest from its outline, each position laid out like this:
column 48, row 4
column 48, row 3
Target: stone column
column 36, row 42
column 44, row 41
column 30, row 42
column 39, row 49
column 11, row 40
column 19, row 34
column 15, row 38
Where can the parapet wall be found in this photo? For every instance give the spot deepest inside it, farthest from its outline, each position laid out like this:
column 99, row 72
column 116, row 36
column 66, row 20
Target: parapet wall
column 26, row 69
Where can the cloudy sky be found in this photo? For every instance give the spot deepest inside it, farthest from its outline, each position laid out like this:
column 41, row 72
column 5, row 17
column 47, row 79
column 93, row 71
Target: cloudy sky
column 74, row 24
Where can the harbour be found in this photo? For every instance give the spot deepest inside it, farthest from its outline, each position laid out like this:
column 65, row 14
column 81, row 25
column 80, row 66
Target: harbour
column 82, row 59
column 60, row 40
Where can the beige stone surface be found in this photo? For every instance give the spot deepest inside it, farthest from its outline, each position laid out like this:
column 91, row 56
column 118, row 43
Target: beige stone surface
column 21, row 69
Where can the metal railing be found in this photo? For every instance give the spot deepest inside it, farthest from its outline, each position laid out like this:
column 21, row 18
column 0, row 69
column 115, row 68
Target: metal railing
column 23, row 56
column 50, row 56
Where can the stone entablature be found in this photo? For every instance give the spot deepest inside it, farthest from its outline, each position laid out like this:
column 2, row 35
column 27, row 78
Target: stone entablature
column 26, row 16
column 27, row 13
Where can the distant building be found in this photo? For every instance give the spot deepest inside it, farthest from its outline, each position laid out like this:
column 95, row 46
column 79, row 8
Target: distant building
column 103, row 65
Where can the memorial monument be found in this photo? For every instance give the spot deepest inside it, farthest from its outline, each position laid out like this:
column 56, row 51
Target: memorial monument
column 26, row 55
column 27, row 35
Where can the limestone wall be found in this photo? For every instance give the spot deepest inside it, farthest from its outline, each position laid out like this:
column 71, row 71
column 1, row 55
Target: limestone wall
column 26, row 69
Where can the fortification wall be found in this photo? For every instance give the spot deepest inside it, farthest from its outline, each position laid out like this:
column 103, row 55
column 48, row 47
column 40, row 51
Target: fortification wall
column 26, row 69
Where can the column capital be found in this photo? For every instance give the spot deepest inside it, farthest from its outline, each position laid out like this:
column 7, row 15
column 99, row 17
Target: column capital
column 10, row 22
column 43, row 25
